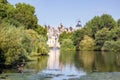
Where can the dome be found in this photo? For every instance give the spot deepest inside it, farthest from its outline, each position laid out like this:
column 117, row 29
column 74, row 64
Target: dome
column 78, row 24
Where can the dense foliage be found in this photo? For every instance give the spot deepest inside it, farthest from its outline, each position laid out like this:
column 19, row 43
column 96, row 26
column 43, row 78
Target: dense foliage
column 24, row 13
column 111, row 46
column 65, row 35
column 67, row 44
column 78, row 36
column 87, row 43
column 100, row 38
column 20, row 35
column 118, row 23
column 10, row 44
column 102, row 29
column 66, row 41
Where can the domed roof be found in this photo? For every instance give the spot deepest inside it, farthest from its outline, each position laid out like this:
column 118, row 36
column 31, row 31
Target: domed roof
column 78, row 24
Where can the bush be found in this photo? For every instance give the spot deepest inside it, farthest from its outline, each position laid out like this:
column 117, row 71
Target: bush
column 78, row 36
column 67, row 44
column 65, row 35
column 111, row 46
column 11, row 44
column 34, row 39
column 42, row 48
column 87, row 43
column 38, row 43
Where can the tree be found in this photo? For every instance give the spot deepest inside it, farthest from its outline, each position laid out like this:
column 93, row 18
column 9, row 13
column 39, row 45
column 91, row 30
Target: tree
column 118, row 23
column 4, row 1
column 20, row 35
column 3, row 13
column 67, row 44
column 78, row 36
column 93, row 26
column 107, row 21
column 38, row 43
column 100, row 38
column 111, row 46
column 24, row 13
column 87, row 43
column 114, row 34
column 6, row 9
column 97, row 23
column 7, row 12
column 65, row 35
column 41, row 30
column 10, row 44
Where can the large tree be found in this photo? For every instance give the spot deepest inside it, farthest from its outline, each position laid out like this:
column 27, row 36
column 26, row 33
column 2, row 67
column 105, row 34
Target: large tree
column 114, row 34
column 99, row 22
column 24, row 13
column 100, row 38
column 118, row 23
column 4, row 1
column 10, row 44
column 78, row 36
column 93, row 26
column 107, row 21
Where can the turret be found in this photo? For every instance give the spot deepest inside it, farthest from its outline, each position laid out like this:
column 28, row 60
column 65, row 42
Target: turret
column 78, row 26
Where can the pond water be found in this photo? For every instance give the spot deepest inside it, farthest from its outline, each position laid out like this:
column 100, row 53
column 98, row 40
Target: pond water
column 66, row 65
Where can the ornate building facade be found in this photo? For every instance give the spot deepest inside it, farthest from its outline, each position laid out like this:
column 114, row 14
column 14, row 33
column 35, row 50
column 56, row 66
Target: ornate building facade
column 53, row 34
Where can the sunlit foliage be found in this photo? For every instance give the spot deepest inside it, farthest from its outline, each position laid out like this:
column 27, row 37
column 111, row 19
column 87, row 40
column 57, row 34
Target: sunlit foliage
column 87, row 43
column 67, row 44
column 20, row 34
column 11, row 44
column 100, row 28
column 111, row 46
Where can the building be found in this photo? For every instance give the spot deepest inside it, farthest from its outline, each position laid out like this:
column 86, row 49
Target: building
column 53, row 36
column 78, row 26
column 53, row 33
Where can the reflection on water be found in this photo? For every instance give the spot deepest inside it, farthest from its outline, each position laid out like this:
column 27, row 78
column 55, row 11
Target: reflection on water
column 98, row 61
column 53, row 59
column 37, row 65
column 85, row 60
column 61, row 65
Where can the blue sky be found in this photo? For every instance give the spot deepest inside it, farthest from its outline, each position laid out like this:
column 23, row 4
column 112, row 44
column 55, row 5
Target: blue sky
column 68, row 12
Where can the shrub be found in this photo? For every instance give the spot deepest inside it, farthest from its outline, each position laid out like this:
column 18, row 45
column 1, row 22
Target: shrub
column 10, row 44
column 87, row 43
column 67, row 44
column 111, row 46
column 38, row 43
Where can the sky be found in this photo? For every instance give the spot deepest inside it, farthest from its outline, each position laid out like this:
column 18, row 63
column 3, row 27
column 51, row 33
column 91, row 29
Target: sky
column 68, row 12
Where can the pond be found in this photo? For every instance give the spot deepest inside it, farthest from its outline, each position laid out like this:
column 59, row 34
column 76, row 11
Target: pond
column 67, row 65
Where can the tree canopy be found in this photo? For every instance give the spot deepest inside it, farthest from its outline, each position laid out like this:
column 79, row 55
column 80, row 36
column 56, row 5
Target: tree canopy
column 100, row 28
column 24, row 13
column 20, row 34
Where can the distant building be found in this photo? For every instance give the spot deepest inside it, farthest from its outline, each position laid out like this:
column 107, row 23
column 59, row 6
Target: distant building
column 53, row 33
column 78, row 26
